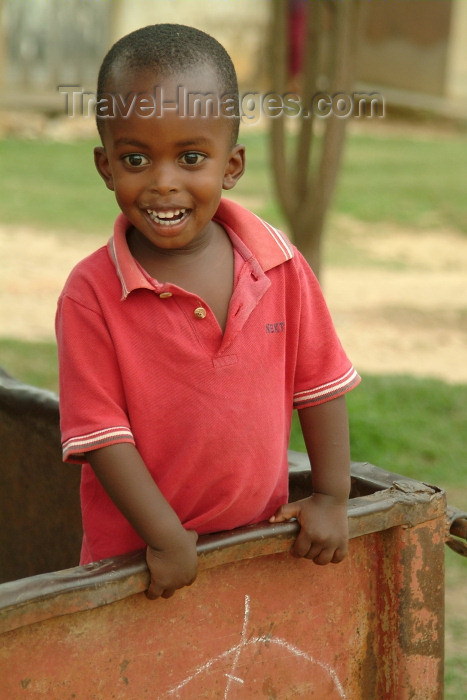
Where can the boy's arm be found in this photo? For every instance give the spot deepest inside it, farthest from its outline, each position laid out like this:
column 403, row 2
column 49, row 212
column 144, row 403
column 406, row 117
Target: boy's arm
column 323, row 516
column 171, row 553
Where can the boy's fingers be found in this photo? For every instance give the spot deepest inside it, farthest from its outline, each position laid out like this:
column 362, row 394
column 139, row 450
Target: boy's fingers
column 323, row 557
column 194, row 534
column 301, row 548
column 339, row 555
column 154, row 591
column 168, row 593
column 285, row 512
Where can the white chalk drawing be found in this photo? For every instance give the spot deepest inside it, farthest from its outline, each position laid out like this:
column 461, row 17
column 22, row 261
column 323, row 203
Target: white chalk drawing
column 233, row 680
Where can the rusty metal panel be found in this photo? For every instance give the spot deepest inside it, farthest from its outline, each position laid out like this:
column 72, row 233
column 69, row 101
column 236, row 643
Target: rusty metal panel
column 456, row 528
column 40, row 516
column 256, row 623
column 29, row 600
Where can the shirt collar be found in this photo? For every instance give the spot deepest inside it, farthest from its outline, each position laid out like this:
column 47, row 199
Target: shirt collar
column 130, row 273
column 266, row 244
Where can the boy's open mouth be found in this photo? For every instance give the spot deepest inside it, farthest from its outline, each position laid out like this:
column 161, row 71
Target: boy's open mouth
column 169, row 217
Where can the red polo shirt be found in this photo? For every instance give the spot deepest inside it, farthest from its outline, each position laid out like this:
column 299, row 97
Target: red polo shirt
column 209, row 412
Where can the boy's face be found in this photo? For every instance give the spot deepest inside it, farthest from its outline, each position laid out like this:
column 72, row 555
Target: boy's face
column 168, row 171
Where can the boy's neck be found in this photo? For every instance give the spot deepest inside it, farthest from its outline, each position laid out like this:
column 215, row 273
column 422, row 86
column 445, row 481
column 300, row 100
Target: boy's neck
column 149, row 255
column 205, row 269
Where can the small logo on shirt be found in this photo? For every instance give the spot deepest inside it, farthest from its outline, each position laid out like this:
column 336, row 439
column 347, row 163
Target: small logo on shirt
column 275, row 327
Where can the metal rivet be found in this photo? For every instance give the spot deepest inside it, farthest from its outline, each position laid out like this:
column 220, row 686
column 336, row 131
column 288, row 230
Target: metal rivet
column 200, row 312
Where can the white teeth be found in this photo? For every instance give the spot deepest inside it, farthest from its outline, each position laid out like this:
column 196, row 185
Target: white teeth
column 172, row 216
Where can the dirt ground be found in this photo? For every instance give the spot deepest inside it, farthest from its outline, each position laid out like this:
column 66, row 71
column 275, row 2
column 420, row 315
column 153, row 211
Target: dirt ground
column 400, row 305
column 401, row 309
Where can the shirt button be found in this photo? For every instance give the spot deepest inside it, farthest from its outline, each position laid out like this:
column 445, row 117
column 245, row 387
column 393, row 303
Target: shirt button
column 200, row 312
column 165, row 295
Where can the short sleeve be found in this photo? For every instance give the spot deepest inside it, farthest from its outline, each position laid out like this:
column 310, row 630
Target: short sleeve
column 92, row 404
column 323, row 370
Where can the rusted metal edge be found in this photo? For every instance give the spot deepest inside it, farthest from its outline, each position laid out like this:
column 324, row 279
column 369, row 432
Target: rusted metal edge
column 377, row 478
column 37, row 598
column 19, row 398
column 456, row 530
column 368, row 475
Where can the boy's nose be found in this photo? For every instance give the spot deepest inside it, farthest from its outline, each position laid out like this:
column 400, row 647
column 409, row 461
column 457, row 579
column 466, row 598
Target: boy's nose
column 164, row 178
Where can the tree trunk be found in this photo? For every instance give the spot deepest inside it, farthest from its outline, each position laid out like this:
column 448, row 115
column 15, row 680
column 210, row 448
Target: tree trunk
column 305, row 163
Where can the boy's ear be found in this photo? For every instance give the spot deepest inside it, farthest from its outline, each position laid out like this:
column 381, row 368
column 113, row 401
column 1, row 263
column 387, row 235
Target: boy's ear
column 103, row 167
column 235, row 167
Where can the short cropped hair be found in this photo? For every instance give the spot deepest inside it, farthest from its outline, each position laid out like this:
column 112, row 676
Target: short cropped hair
column 171, row 49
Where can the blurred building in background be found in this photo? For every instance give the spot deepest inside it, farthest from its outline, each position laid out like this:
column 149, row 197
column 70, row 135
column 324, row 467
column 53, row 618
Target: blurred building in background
column 414, row 52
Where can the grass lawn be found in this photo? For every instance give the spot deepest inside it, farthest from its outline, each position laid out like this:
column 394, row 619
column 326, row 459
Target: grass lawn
column 416, row 427
column 55, row 186
column 33, row 363
column 416, row 182
column 404, row 424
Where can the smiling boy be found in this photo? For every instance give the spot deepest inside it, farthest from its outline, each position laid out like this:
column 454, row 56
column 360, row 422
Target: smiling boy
column 185, row 343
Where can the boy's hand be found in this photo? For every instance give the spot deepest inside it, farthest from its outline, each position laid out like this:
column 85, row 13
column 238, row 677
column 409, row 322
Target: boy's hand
column 172, row 567
column 324, row 529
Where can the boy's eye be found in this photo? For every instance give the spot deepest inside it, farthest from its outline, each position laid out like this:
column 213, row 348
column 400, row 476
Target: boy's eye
column 192, row 158
column 136, row 160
